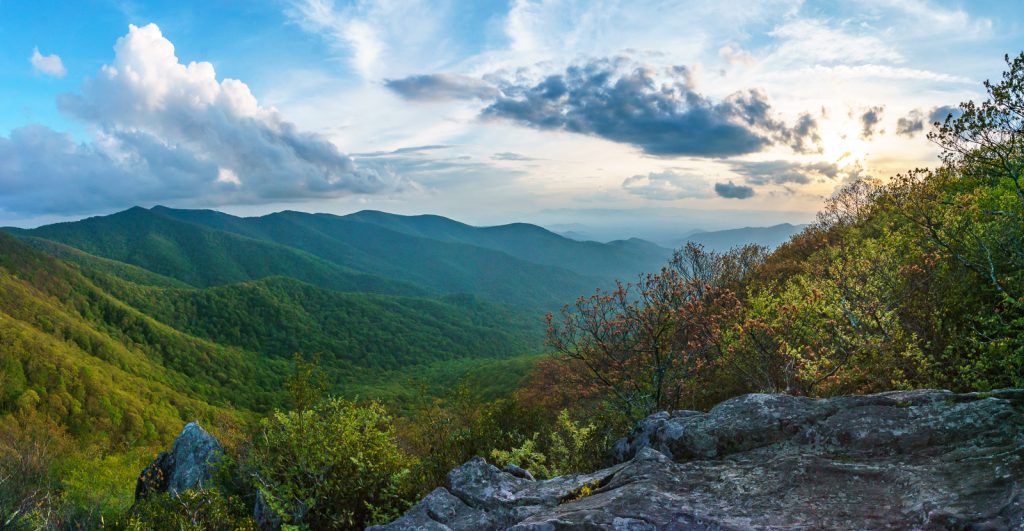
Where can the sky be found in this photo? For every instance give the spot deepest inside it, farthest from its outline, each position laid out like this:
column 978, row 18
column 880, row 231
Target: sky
column 648, row 118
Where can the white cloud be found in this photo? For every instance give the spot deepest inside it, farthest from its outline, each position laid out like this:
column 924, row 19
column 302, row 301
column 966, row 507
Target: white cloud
column 380, row 38
column 50, row 65
column 165, row 130
column 811, row 41
column 735, row 55
column 667, row 186
column 928, row 17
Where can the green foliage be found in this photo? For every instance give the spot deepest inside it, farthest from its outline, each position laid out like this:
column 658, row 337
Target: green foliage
column 566, row 447
column 191, row 510
column 100, row 486
column 335, row 466
column 447, row 431
column 279, row 316
column 30, row 446
column 307, row 383
column 526, row 456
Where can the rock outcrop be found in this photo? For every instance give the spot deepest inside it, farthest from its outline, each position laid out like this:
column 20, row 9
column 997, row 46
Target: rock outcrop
column 900, row 460
column 188, row 465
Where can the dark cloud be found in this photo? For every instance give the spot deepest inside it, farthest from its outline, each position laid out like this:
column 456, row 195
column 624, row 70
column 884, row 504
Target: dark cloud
column 869, row 121
column 939, row 114
column 914, row 122
column 508, row 155
column 783, row 171
column 911, row 124
column 665, row 186
column 803, row 137
column 437, row 87
column 733, row 191
column 663, row 115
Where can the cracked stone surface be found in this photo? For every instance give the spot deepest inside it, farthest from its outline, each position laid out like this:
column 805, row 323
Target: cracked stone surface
column 900, row 460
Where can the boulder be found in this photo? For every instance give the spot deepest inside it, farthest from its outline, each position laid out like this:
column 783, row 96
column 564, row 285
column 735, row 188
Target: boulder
column 900, row 460
column 188, row 465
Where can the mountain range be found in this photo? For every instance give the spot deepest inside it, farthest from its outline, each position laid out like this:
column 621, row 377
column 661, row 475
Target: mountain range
column 519, row 264
column 138, row 320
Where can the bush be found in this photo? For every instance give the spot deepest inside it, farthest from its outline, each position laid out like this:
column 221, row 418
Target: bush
column 335, row 466
column 566, row 447
column 191, row 510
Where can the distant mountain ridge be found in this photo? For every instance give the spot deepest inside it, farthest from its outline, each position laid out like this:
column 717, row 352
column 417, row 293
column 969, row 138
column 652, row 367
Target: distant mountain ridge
column 723, row 240
column 368, row 251
column 717, row 240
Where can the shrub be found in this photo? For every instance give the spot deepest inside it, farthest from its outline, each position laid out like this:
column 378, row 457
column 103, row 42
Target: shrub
column 335, row 466
column 191, row 510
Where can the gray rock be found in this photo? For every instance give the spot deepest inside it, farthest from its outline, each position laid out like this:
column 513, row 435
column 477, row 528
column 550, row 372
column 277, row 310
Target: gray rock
column 188, row 465
column 518, row 471
column 900, row 460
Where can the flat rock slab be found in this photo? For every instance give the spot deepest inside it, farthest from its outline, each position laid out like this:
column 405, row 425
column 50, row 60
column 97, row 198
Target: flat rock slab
column 901, row 460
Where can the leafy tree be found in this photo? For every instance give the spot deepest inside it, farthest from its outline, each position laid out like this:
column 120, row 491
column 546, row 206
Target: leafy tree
column 644, row 344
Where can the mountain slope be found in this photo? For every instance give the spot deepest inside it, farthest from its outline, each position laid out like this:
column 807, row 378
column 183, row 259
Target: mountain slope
column 101, row 368
column 202, row 257
column 279, row 316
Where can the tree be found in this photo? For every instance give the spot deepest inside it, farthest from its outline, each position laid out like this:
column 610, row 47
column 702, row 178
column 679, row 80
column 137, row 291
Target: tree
column 644, row 344
column 30, row 446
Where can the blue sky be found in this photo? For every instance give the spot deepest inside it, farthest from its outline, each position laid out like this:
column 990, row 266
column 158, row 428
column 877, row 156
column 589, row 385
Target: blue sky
column 649, row 117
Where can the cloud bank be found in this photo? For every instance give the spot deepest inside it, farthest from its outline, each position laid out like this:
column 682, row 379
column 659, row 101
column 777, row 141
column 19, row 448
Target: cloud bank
column 165, row 130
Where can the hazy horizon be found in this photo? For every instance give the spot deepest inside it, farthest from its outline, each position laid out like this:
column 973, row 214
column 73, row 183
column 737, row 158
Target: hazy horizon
column 667, row 236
